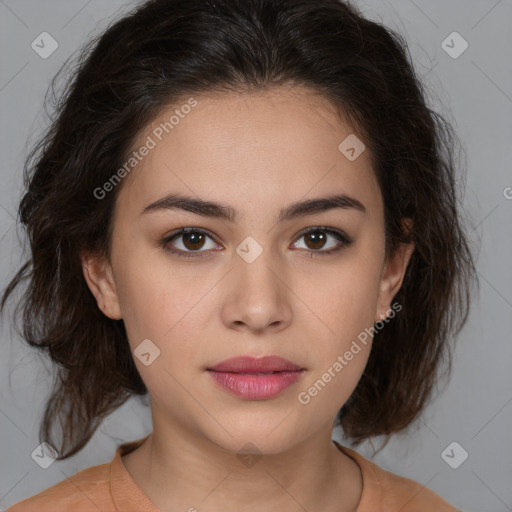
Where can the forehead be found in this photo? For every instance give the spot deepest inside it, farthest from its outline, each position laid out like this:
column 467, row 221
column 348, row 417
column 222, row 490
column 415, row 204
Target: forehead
column 250, row 150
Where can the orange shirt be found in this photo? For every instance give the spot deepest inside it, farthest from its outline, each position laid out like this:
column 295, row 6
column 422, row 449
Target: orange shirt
column 110, row 488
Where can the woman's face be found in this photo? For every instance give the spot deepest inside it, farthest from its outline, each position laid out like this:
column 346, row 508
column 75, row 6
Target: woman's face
column 250, row 282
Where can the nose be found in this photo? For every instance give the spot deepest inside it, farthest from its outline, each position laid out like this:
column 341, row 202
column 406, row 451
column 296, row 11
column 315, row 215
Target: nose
column 258, row 297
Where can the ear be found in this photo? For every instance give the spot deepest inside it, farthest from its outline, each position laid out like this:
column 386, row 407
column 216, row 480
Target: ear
column 393, row 274
column 98, row 275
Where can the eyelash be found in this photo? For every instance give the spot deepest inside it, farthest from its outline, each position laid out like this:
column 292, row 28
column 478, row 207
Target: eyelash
column 345, row 241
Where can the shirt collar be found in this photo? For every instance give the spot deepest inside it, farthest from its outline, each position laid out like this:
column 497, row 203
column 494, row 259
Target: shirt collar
column 126, row 494
column 372, row 495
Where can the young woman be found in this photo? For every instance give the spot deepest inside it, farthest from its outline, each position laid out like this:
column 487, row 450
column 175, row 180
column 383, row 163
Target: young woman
column 247, row 210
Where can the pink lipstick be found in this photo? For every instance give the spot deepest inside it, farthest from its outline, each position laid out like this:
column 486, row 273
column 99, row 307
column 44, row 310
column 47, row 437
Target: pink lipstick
column 256, row 378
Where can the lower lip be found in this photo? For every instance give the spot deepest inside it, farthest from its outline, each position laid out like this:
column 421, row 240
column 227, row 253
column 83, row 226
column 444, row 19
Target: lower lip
column 254, row 386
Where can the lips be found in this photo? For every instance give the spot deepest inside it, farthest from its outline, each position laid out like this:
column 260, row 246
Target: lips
column 251, row 365
column 255, row 378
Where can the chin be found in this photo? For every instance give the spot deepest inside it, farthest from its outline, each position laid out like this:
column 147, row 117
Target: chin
column 272, row 438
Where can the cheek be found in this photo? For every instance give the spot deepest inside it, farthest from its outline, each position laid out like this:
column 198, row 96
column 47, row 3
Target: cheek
column 346, row 310
column 143, row 293
column 162, row 303
column 341, row 298
column 154, row 309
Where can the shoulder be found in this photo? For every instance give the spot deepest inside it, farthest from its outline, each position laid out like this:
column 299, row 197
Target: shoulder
column 384, row 491
column 401, row 493
column 84, row 491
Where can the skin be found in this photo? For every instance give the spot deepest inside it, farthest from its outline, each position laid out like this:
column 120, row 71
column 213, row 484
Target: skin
column 258, row 153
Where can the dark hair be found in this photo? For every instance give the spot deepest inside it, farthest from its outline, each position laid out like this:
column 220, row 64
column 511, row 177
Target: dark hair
column 165, row 50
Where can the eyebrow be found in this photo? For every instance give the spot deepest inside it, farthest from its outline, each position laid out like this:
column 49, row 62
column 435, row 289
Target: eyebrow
column 220, row 211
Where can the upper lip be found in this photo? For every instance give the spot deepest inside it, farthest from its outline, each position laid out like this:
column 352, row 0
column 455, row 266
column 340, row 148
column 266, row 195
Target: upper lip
column 247, row 364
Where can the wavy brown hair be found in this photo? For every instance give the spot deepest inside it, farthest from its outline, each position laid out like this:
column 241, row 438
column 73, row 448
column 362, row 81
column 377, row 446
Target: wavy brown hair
column 164, row 50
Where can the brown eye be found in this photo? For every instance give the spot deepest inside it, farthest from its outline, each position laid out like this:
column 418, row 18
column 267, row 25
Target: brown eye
column 192, row 241
column 316, row 239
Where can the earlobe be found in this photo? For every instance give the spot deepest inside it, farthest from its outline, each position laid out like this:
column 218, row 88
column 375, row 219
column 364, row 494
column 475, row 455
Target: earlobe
column 98, row 275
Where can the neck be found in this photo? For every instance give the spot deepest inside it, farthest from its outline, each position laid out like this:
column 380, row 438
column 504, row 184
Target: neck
column 179, row 470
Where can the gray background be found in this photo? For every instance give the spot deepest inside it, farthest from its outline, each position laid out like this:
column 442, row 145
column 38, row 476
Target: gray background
column 474, row 91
